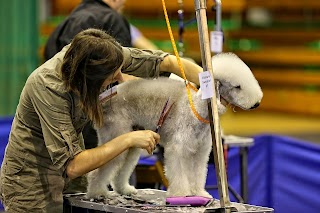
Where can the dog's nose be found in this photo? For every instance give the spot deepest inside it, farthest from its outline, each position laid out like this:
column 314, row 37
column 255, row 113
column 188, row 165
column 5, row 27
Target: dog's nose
column 255, row 106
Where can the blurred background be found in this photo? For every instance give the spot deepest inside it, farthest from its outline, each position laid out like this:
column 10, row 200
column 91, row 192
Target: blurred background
column 279, row 40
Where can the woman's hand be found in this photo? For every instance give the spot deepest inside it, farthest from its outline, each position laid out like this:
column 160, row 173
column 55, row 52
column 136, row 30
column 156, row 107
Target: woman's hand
column 145, row 139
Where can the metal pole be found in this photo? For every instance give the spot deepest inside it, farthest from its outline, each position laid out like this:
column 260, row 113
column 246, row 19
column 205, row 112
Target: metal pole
column 200, row 7
column 244, row 173
column 218, row 15
column 181, row 27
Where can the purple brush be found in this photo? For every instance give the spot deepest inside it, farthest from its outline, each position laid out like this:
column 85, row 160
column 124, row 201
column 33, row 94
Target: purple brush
column 189, row 200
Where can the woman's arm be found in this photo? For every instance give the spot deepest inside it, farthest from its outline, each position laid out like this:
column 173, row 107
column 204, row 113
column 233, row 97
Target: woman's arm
column 91, row 159
column 127, row 77
column 149, row 63
column 192, row 70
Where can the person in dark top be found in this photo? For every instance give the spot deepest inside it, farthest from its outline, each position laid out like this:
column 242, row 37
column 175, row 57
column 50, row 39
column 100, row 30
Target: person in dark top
column 99, row 14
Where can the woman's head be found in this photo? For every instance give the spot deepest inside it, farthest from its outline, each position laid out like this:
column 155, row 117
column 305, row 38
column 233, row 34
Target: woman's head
column 92, row 57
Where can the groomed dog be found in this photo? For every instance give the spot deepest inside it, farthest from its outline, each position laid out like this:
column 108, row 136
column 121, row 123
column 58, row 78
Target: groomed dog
column 186, row 140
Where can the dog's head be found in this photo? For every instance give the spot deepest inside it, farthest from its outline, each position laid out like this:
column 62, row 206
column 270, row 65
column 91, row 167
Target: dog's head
column 236, row 83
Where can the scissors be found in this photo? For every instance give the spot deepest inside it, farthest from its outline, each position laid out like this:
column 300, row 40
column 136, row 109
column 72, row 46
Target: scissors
column 165, row 111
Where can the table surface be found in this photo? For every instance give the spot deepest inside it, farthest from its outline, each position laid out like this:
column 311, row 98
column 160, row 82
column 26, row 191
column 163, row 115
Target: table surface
column 149, row 200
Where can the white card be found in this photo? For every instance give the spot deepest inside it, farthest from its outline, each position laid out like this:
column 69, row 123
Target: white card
column 216, row 41
column 206, row 84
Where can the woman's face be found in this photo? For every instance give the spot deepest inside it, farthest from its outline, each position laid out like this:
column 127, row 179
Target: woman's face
column 116, row 77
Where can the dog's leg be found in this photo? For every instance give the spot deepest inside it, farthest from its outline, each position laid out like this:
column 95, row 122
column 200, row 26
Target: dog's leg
column 176, row 164
column 120, row 183
column 99, row 179
column 197, row 175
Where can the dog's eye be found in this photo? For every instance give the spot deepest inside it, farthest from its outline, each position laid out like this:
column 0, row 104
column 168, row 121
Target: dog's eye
column 238, row 87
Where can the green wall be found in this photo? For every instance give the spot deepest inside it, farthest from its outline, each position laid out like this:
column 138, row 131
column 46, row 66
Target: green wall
column 19, row 34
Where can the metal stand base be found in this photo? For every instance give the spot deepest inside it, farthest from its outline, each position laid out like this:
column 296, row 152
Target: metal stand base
column 221, row 210
column 148, row 200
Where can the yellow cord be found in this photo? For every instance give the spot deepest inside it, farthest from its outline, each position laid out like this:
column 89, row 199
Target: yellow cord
column 188, row 85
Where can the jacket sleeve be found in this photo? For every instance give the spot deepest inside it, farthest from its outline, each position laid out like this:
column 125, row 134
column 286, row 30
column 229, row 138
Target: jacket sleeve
column 54, row 110
column 142, row 63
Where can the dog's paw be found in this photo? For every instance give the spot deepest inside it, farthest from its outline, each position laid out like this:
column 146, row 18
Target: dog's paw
column 127, row 190
column 203, row 193
column 98, row 194
column 178, row 193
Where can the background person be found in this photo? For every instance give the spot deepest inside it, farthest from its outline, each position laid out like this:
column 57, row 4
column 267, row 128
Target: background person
column 99, row 14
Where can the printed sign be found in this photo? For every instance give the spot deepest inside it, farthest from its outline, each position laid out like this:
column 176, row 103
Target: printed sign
column 206, row 84
column 216, row 41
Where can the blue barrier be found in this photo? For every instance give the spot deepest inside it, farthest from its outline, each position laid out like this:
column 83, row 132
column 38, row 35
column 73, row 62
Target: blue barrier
column 5, row 126
column 295, row 170
column 283, row 172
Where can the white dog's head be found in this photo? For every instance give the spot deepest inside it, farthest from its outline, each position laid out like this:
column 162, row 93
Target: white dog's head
column 237, row 85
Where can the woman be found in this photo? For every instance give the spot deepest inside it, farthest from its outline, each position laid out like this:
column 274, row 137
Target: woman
column 45, row 148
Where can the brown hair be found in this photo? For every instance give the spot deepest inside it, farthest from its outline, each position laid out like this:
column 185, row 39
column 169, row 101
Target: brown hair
column 92, row 57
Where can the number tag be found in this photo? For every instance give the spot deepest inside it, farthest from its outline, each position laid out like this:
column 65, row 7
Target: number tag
column 216, row 41
column 206, row 84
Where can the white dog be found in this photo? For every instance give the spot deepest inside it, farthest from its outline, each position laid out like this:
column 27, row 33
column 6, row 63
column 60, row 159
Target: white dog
column 186, row 140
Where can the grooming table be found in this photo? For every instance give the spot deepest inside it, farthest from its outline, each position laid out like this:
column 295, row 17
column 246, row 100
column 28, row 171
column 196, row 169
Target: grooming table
column 146, row 200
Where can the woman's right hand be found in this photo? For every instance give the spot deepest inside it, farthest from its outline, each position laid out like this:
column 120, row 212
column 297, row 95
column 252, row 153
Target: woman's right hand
column 145, row 139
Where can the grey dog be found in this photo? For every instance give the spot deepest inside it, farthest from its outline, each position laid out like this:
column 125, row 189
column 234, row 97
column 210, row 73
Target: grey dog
column 186, row 140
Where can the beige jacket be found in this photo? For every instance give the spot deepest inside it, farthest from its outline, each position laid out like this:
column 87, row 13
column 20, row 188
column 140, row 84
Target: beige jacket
column 46, row 134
